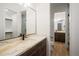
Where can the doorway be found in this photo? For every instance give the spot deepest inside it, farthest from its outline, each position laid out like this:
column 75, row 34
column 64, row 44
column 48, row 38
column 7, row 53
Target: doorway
column 59, row 27
column 60, row 16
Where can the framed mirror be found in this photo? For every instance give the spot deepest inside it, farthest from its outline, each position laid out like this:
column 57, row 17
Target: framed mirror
column 15, row 20
column 10, row 20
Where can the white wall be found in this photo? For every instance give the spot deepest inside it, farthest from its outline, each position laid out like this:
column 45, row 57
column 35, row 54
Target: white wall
column 43, row 22
column 31, row 21
column 74, row 29
column 43, row 19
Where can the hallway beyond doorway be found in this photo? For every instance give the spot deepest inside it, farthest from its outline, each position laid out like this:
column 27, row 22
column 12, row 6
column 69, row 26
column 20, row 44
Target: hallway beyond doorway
column 59, row 50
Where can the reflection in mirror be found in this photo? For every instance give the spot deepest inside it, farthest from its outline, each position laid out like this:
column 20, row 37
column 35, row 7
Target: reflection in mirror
column 16, row 21
column 12, row 24
column 59, row 21
column 10, row 20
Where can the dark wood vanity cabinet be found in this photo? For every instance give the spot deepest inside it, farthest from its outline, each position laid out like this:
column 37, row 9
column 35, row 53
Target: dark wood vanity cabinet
column 60, row 37
column 37, row 50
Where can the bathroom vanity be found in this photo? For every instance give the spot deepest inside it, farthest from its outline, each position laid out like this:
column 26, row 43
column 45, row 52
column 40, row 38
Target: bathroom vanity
column 33, row 45
column 60, row 36
column 17, row 23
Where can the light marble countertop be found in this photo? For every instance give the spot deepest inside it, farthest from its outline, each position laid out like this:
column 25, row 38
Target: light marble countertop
column 60, row 31
column 17, row 46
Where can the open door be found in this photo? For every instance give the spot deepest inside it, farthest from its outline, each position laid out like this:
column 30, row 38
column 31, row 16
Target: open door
column 67, row 36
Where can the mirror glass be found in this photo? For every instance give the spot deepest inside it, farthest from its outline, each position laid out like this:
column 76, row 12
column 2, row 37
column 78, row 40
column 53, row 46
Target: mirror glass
column 12, row 20
column 16, row 20
column 59, row 21
column 12, row 24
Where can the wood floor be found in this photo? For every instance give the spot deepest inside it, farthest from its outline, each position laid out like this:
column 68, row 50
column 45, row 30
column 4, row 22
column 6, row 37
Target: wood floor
column 59, row 50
